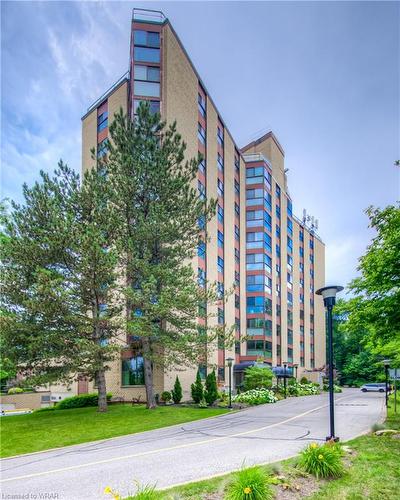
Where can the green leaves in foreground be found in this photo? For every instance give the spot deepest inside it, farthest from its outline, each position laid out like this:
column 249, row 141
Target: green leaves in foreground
column 322, row 461
column 249, row 484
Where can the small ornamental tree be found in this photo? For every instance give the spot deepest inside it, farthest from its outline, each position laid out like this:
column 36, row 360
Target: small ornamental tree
column 177, row 391
column 257, row 377
column 211, row 390
column 197, row 389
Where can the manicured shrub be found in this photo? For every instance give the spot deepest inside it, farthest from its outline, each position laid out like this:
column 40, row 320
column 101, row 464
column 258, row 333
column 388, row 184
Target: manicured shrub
column 298, row 389
column 322, row 461
column 15, row 390
column 255, row 397
column 256, row 377
column 203, row 403
column 176, row 392
column 196, row 389
column 80, row 401
column 166, row 396
column 304, row 380
column 249, row 484
column 211, row 392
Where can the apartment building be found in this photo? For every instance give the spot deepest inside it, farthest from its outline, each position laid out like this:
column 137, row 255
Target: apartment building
column 272, row 260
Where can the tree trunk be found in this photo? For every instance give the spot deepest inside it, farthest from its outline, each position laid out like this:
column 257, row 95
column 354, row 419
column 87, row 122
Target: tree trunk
column 148, row 374
column 102, row 390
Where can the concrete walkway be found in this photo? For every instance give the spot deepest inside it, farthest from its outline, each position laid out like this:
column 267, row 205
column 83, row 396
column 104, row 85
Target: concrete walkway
column 188, row 452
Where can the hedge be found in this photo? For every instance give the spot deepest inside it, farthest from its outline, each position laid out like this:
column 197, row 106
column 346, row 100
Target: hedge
column 80, row 401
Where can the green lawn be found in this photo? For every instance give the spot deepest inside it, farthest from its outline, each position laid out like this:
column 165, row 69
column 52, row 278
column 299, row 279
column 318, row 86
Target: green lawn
column 374, row 474
column 43, row 430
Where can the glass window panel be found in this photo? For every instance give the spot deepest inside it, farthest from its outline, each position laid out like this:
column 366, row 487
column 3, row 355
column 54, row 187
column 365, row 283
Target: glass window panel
column 153, row 74
column 153, row 39
column 140, row 37
column 146, row 54
column 140, row 72
column 147, row 89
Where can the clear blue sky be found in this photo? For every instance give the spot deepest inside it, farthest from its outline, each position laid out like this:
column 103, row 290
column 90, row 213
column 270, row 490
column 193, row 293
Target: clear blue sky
column 324, row 76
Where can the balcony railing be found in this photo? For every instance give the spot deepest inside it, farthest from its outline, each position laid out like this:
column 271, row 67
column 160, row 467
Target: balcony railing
column 148, row 15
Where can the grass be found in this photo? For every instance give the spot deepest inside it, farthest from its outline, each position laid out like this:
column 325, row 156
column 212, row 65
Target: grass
column 43, row 430
column 372, row 472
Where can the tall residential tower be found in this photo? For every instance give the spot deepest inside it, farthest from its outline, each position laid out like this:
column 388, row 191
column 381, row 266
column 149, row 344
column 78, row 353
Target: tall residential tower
column 273, row 260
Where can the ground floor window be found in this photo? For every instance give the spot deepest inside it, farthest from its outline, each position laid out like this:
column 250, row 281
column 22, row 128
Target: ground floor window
column 133, row 371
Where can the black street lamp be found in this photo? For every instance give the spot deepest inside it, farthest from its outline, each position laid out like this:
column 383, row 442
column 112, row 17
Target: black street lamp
column 230, row 361
column 386, row 364
column 329, row 295
column 284, row 377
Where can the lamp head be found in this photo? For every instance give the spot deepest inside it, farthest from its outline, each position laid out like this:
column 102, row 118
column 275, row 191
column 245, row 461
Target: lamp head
column 229, row 361
column 386, row 362
column 329, row 294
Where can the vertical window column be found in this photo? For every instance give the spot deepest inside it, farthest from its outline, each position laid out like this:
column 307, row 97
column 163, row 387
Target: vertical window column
column 237, row 251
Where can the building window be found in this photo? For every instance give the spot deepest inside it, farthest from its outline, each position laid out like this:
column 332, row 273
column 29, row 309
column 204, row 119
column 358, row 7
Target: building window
column 201, row 133
column 290, row 262
column 220, row 238
column 237, row 210
column 220, row 163
column 237, row 165
column 277, row 191
column 220, row 188
column 132, row 371
column 278, row 310
column 290, row 298
column 201, row 250
column 256, row 347
column 102, row 148
column 202, row 166
column 258, row 262
column 221, row 373
column 221, row 316
column 202, row 105
column 201, row 277
column 289, row 208
column 202, row 310
column 202, row 190
column 237, row 301
column 278, row 250
column 289, row 244
column 290, row 336
column 278, row 211
column 289, row 226
column 146, row 81
column 220, row 214
column 301, row 251
column 102, row 121
column 145, row 54
column 255, row 305
column 220, row 136
column 237, row 279
column 146, row 38
column 154, row 106
column 278, row 330
column 237, row 187
column 302, row 361
column 220, row 264
column 277, row 231
column 237, row 255
column 237, row 233
column 290, row 355
column 147, row 89
column 201, row 222
column 311, row 244
column 301, row 236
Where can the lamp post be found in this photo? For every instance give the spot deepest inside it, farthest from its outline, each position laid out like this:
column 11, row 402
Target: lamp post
column 329, row 295
column 230, row 361
column 284, row 377
column 386, row 364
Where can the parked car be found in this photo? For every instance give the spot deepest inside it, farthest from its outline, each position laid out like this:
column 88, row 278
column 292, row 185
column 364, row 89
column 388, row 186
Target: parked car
column 373, row 387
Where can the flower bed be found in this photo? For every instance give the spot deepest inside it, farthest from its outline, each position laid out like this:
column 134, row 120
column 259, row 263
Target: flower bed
column 256, row 397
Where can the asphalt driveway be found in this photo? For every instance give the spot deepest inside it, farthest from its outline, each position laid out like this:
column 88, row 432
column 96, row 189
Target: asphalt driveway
column 187, row 452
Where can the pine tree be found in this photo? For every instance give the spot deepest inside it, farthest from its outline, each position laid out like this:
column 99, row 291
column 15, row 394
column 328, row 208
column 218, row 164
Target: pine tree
column 158, row 213
column 177, row 391
column 59, row 281
column 211, row 389
column 197, row 389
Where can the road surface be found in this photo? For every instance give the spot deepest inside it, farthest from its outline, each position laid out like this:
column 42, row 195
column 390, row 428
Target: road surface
column 187, row 452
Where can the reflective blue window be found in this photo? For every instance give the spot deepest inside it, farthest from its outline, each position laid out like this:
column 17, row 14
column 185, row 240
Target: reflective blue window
column 201, row 250
column 146, row 54
column 220, row 265
column 220, row 214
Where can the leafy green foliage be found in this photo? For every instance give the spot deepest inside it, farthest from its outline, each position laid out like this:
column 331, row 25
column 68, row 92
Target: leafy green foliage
column 196, row 389
column 256, row 397
column 257, row 377
column 15, row 390
column 166, row 396
column 322, row 461
column 297, row 389
column 249, row 484
column 376, row 305
column 177, row 391
column 80, row 401
column 211, row 388
column 59, row 274
column 304, row 380
column 146, row 492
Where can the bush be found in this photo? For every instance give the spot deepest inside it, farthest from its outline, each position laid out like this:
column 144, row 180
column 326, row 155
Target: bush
column 256, row 397
column 256, row 377
column 249, row 484
column 203, row 403
column 45, row 408
column 196, row 389
column 211, row 392
column 80, row 401
column 322, row 461
column 166, row 396
column 176, row 392
column 304, row 380
column 15, row 390
column 298, row 389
